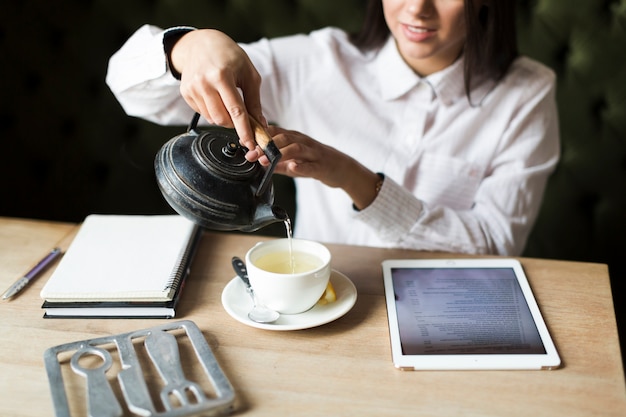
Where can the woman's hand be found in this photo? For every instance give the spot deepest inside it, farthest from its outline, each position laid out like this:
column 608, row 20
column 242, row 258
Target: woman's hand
column 303, row 156
column 212, row 68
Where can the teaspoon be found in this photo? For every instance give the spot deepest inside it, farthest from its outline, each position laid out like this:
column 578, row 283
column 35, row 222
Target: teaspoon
column 259, row 313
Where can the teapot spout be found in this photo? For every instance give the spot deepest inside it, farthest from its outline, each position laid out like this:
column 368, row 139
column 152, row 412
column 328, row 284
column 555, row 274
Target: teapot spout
column 265, row 215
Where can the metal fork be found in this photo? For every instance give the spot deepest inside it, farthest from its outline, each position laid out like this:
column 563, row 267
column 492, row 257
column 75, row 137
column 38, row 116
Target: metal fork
column 162, row 348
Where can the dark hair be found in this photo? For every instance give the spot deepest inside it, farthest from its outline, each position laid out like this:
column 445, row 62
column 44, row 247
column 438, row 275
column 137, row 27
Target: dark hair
column 490, row 46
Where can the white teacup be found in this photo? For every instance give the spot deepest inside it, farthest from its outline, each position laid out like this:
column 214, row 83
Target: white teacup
column 285, row 287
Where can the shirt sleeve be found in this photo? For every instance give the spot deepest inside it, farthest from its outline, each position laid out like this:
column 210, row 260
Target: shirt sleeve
column 140, row 78
column 404, row 221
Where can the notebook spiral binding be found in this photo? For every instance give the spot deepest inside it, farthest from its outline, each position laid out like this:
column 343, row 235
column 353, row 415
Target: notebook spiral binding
column 184, row 262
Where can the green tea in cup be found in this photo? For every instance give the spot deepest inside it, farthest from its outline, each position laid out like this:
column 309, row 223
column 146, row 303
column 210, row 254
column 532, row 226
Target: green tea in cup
column 289, row 275
column 288, row 263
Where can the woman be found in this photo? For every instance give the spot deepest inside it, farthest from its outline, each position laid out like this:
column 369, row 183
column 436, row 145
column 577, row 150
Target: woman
column 425, row 130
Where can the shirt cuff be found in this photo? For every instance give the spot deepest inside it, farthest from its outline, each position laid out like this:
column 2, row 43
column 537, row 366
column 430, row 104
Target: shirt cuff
column 170, row 37
column 393, row 213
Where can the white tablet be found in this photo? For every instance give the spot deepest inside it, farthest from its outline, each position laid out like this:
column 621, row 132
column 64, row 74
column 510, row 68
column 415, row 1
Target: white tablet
column 455, row 314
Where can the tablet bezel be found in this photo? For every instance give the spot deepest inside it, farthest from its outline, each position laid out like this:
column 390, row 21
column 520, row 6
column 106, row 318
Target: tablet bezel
column 491, row 361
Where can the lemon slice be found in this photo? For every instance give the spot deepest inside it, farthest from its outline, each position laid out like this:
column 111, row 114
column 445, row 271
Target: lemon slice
column 329, row 295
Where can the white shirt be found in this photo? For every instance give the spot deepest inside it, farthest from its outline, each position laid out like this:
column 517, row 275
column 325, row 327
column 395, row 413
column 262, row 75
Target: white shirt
column 459, row 178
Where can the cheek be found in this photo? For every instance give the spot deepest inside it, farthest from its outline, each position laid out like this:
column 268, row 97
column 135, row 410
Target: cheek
column 457, row 29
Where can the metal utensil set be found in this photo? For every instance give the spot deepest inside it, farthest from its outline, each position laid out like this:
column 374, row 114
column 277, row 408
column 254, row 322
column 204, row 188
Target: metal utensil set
column 179, row 396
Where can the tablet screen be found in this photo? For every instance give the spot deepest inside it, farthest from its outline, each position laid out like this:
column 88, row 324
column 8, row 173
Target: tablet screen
column 464, row 314
column 444, row 311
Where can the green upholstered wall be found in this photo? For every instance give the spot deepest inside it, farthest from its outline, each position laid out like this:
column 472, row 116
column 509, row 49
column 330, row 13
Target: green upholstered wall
column 69, row 150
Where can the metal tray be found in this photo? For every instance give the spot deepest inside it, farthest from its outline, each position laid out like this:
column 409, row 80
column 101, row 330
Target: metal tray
column 141, row 373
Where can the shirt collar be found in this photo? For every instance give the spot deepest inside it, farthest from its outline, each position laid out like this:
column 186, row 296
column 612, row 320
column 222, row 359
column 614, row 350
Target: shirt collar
column 397, row 78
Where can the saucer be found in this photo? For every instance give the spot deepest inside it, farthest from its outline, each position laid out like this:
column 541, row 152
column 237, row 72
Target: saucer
column 238, row 303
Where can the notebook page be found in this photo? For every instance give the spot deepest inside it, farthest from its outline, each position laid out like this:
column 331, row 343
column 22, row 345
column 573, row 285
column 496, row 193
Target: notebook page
column 121, row 257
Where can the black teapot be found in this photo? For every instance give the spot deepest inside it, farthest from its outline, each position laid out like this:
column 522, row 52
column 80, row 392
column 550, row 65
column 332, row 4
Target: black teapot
column 205, row 177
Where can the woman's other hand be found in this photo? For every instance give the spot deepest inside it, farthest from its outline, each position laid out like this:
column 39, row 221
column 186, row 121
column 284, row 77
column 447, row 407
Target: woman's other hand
column 303, row 156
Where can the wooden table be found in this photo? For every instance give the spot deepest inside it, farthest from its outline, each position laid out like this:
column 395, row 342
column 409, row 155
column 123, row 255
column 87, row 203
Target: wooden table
column 341, row 368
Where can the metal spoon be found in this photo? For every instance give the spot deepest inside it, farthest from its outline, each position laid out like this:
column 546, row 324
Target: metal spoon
column 259, row 313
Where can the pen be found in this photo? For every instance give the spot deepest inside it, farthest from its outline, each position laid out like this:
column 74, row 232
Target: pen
column 32, row 274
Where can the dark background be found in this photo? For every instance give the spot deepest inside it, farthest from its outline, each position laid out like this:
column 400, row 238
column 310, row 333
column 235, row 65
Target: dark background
column 69, row 150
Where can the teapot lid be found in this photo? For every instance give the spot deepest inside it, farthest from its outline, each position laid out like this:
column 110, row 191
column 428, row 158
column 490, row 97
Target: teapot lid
column 218, row 150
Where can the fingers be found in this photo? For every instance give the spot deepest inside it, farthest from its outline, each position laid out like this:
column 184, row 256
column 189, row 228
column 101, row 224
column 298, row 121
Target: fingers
column 233, row 114
column 220, row 104
column 301, row 155
column 220, row 82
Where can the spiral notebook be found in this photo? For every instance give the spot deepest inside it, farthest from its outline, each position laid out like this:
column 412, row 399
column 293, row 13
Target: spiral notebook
column 122, row 265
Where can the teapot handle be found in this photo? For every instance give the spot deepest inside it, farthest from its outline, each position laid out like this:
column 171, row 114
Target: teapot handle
column 194, row 123
column 263, row 138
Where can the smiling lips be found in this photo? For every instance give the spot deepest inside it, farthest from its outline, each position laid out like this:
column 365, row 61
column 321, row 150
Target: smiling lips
column 418, row 33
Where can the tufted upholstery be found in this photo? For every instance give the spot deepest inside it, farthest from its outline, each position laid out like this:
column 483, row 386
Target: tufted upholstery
column 69, row 150
column 584, row 213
